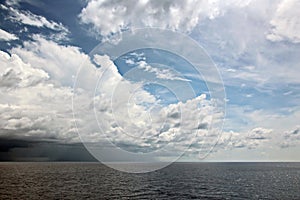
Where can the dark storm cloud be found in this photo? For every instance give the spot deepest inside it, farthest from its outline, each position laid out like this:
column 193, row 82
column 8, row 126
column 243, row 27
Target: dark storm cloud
column 29, row 150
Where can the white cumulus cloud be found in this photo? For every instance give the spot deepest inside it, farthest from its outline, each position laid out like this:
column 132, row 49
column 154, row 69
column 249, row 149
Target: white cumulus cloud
column 59, row 61
column 15, row 73
column 36, row 91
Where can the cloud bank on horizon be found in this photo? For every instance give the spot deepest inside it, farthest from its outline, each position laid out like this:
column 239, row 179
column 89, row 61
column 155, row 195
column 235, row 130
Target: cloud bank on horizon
column 255, row 45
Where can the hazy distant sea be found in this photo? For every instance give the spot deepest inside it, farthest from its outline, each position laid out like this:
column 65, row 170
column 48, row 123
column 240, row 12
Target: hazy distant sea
column 178, row 181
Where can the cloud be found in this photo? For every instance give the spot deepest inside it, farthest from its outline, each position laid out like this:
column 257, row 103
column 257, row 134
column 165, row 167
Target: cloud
column 244, row 74
column 247, row 24
column 286, row 23
column 6, row 36
column 252, row 139
column 55, row 30
column 32, row 150
column 36, row 78
column 111, row 17
column 242, row 42
column 38, row 111
column 275, row 128
column 19, row 2
column 134, row 120
column 59, row 61
column 15, row 73
column 28, row 18
column 259, row 134
column 291, row 138
column 160, row 73
column 36, row 90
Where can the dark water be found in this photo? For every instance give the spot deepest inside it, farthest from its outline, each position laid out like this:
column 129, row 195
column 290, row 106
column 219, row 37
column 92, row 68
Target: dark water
column 178, row 181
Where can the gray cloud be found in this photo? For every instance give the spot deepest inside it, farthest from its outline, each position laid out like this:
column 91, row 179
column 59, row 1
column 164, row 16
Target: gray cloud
column 35, row 150
column 252, row 139
column 111, row 17
column 291, row 138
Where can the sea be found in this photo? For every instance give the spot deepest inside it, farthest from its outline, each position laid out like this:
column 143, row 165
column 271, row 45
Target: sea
column 60, row 180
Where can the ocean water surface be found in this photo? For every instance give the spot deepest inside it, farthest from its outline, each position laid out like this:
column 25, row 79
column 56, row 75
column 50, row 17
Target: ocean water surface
column 177, row 181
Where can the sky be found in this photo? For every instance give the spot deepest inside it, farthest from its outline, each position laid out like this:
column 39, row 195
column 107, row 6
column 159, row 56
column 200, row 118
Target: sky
column 150, row 80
